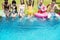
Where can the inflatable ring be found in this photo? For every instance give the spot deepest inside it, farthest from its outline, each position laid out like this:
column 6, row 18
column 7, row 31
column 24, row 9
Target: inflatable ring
column 41, row 15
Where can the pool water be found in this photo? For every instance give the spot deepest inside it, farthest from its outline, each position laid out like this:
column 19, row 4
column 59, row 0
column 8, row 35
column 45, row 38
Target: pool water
column 26, row 29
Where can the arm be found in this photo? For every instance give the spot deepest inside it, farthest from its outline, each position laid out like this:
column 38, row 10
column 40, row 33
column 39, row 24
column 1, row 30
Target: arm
column 48, row 5
column 9, row 7
column 33, row 3
column 3, row 6
column 57, row 7
column 26, row 3
column 18, row 9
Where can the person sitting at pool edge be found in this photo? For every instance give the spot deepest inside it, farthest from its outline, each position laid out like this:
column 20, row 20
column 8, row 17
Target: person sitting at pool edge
column 51, row 9
column 42, row 11
column 21, row 9
column 30, row 5
column 13, row 9
column 6, row 8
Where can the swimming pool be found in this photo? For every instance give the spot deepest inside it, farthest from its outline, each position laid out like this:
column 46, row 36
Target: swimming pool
column 29, row 29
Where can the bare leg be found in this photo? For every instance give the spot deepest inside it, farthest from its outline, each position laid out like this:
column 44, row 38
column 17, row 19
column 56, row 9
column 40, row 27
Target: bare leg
column 7, row 14
column 14, row 15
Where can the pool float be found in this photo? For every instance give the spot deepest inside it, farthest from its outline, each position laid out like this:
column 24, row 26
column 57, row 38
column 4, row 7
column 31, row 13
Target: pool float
column 59, row 13
column 38, row 15
column 42, row 12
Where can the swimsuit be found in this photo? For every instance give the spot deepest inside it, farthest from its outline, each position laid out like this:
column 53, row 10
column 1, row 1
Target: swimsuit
column 6, row 8
column 22, row 9
column 14, row 9
column 30, row 10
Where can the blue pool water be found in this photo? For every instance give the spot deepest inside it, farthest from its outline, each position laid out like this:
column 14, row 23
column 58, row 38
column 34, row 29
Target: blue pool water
column 29, row 29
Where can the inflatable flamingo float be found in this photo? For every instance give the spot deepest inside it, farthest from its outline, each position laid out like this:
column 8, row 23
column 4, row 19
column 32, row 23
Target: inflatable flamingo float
column 41, row 12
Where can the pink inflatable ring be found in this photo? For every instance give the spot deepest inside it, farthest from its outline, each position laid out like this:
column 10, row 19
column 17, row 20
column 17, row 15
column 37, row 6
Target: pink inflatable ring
column 41, row 15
